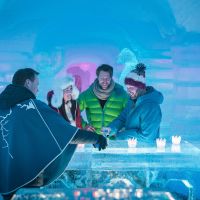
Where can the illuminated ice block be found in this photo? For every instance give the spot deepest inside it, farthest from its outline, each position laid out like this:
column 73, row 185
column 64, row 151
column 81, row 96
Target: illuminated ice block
column 176, row 140
column 160, row 143
column 176, row 148
column 81, row 145
column 132, row 143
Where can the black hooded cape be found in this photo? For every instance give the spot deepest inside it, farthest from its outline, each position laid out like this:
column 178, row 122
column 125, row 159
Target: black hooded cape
column 33, row 139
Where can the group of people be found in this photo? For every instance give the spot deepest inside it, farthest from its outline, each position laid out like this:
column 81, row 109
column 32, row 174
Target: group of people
column 34, row 134
column 132, row 114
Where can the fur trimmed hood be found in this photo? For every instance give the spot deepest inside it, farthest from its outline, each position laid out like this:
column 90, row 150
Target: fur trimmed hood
column 59, row 85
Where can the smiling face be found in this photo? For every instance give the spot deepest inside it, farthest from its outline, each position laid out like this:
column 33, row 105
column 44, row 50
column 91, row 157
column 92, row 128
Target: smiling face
column 132, row 91
column 104, row 79
column 67, row 93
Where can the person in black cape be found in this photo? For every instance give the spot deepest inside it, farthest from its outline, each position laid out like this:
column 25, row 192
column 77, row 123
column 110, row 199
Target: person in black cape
column 35, row 140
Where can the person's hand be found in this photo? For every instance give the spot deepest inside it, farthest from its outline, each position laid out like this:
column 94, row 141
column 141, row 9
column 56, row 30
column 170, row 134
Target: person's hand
column 89, row 128
column 49, row 96
column 101, row 143
column 105, row 131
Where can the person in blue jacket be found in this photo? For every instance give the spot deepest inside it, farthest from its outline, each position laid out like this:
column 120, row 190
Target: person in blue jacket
column 36, row 143
column 142, row 115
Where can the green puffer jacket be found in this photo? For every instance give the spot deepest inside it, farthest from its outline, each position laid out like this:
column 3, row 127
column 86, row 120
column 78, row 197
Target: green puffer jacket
column 98, row 117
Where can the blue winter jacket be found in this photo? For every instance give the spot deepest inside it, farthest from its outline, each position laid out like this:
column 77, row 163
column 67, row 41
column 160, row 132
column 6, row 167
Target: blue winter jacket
column 141, row 119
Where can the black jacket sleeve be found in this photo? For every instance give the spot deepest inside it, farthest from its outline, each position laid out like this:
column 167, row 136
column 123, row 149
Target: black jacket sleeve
column 85, row 137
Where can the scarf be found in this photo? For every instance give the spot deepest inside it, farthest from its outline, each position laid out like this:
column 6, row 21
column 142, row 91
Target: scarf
column 68, row 111
column 100, row 93
column 68, row 106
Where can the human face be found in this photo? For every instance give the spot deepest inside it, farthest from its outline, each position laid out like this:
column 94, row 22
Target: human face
column 32, row 85
column 104, row 79
column 67, row 93
column 132, row 91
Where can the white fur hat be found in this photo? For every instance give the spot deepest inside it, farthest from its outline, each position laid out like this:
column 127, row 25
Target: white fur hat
column 59, row 85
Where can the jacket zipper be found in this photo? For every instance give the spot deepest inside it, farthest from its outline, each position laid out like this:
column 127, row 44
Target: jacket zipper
column 102, row 125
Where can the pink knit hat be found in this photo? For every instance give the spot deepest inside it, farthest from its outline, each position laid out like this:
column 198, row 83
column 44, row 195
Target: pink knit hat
column 136, row 77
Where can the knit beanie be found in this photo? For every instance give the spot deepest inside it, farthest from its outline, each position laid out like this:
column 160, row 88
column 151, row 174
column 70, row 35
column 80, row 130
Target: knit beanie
column 136, row 77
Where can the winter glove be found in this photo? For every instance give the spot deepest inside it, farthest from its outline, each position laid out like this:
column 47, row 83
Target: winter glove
column 88, row 137
column 101, row 143
column 49, row 96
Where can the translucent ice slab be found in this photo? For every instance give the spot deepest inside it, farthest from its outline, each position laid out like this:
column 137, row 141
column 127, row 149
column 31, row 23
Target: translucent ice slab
column 119, row 157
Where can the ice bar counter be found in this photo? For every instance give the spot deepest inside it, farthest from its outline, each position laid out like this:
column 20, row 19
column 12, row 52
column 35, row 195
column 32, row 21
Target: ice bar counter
column 152, row 169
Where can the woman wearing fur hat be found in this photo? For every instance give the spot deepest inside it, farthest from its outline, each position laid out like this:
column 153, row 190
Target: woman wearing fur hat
column 64, row 100
column 142, row 115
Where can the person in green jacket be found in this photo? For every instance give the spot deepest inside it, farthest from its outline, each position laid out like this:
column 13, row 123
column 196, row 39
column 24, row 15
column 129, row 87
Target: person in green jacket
column 103, row 101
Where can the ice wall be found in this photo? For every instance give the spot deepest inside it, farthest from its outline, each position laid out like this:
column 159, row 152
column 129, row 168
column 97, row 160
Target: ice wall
column 56, row 37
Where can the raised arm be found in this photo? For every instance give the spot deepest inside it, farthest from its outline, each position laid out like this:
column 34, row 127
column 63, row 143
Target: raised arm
column 117, row 124
column 150, row 123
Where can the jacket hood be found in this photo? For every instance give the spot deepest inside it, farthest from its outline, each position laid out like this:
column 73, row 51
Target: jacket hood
column 14, row 94
column 59, row 85
column 151, row 95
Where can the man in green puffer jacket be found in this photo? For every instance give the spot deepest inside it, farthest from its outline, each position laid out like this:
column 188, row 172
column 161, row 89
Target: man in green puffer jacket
column 103, row 101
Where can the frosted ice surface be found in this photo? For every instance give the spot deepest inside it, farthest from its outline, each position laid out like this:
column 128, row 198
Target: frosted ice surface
column 119, row 156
